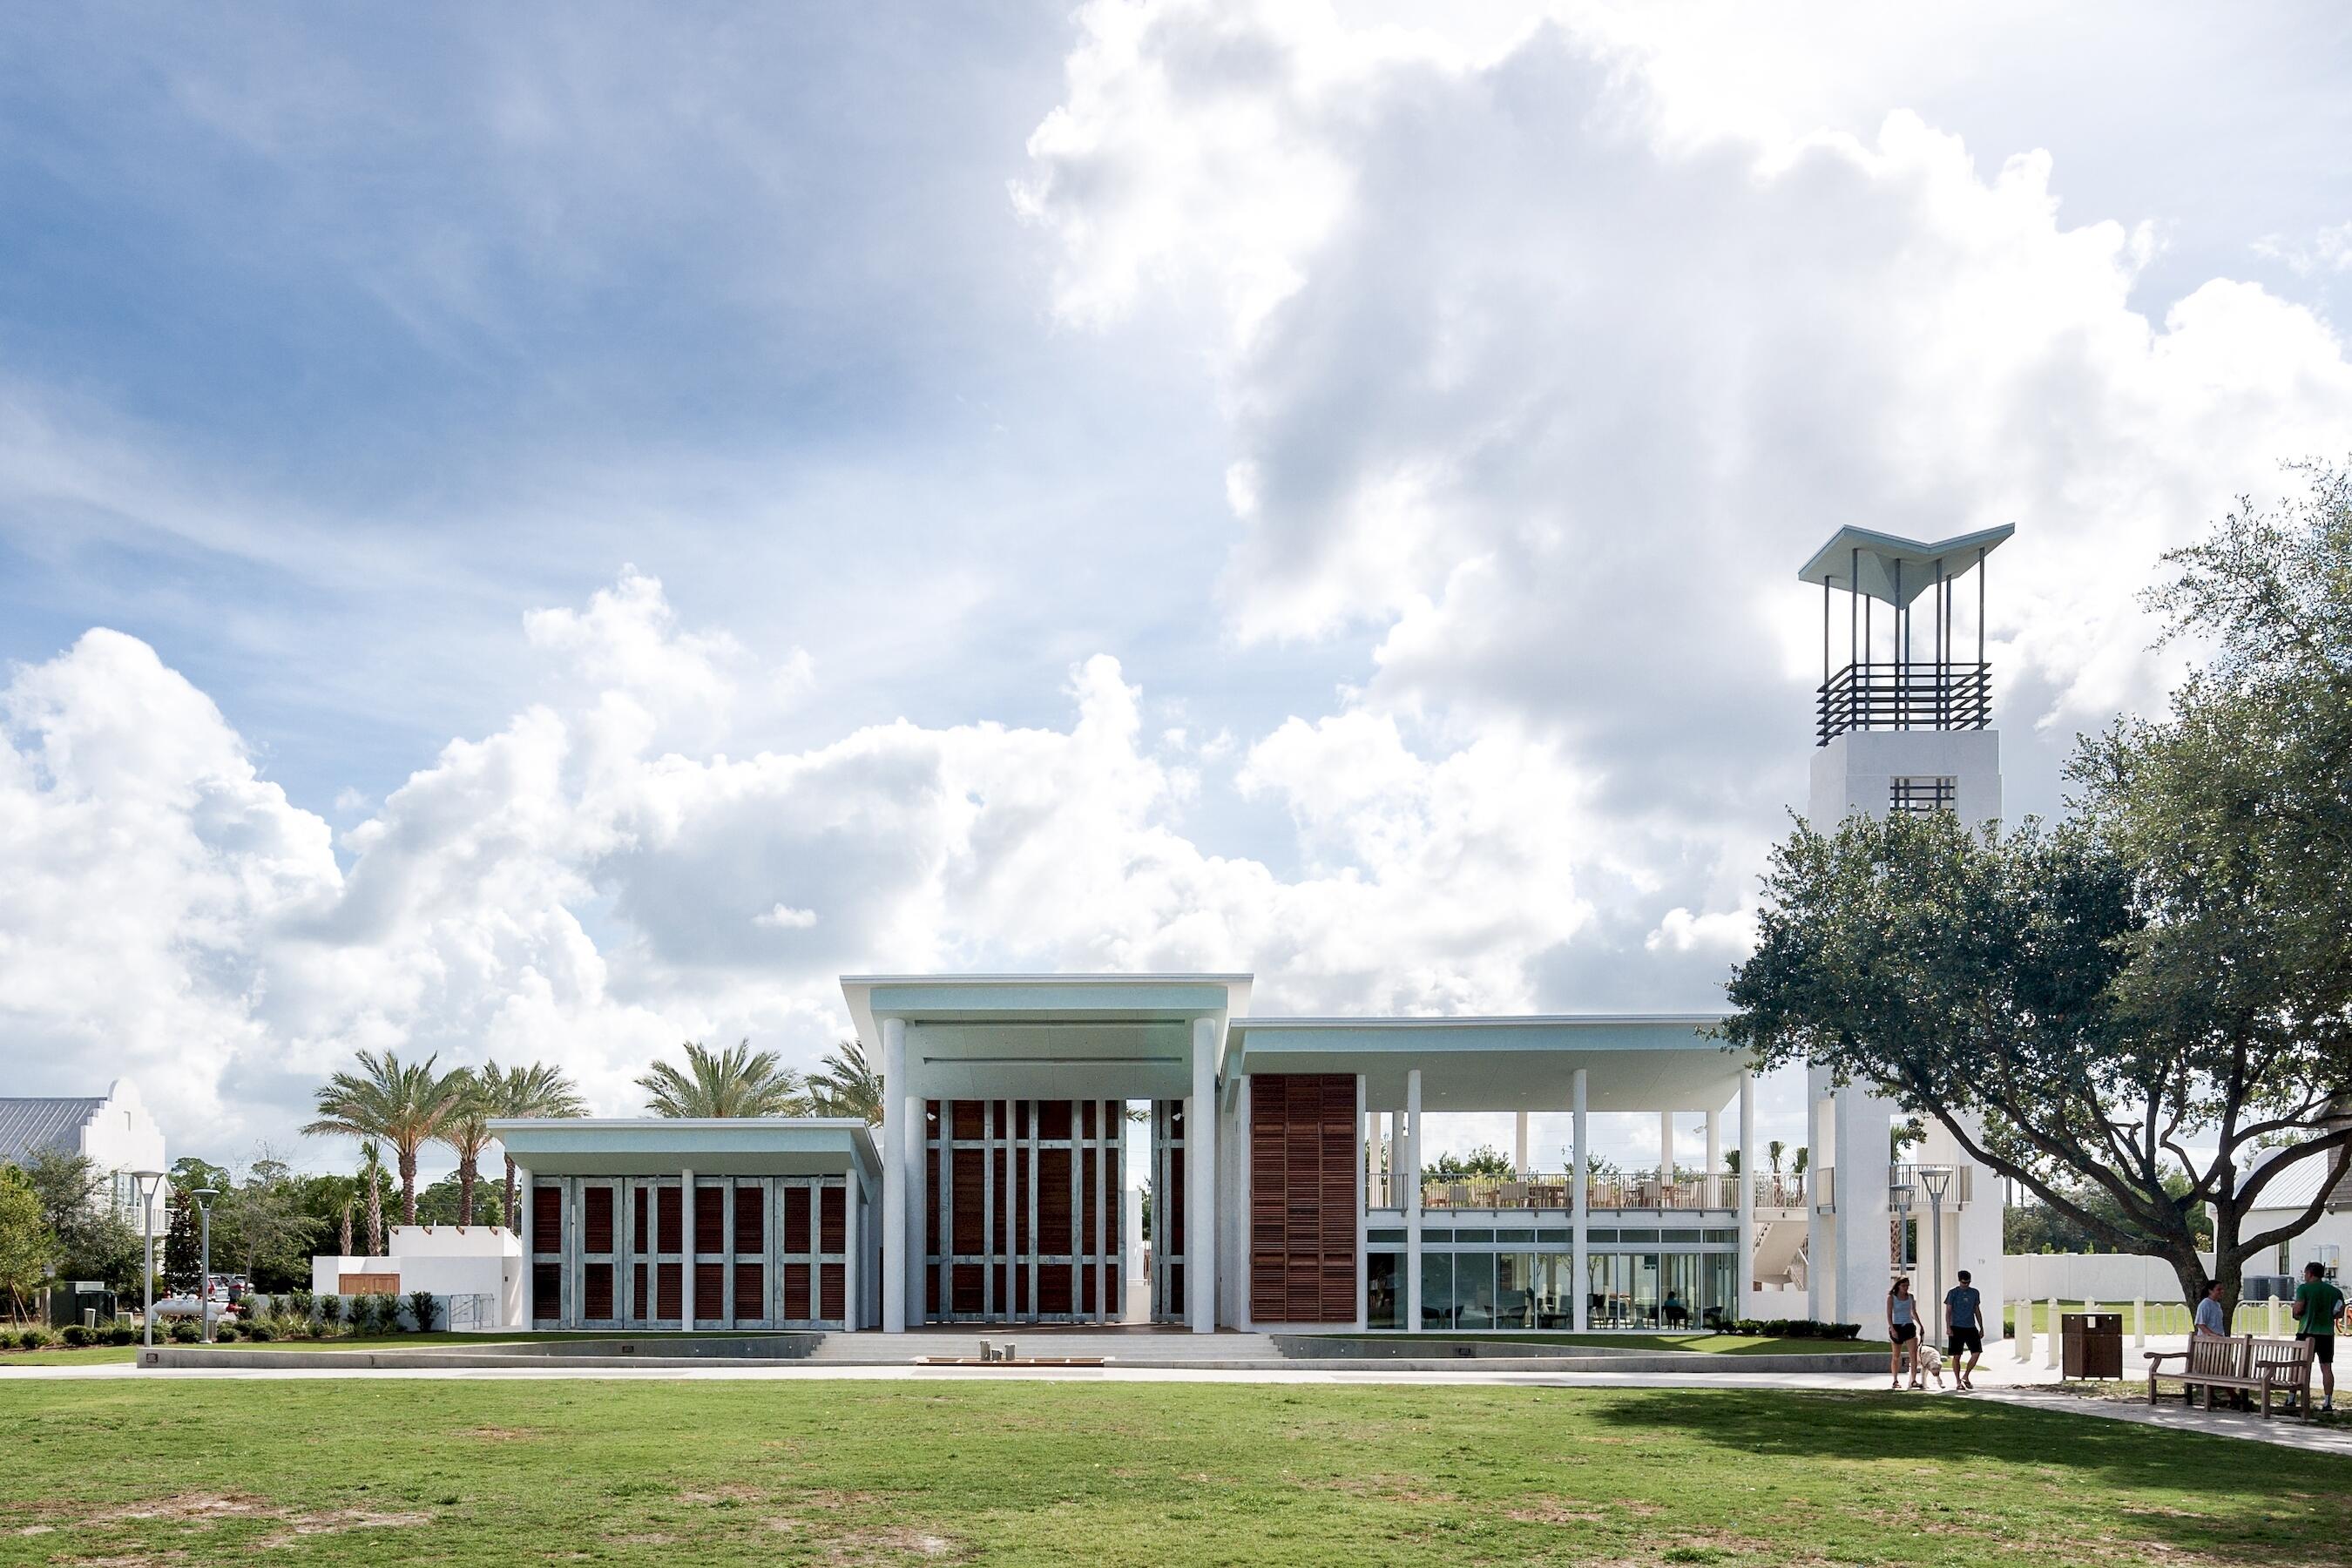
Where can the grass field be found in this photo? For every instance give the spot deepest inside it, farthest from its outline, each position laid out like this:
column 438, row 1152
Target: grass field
column 395, row 1472
column 92, row 1355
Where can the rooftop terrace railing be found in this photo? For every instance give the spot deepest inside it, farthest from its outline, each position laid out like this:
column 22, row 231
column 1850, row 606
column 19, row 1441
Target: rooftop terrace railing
column 1934, row 694
column 1635, row 1191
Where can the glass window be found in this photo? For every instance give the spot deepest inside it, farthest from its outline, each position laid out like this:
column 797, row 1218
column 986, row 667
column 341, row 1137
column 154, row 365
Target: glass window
column 1474, row 1238
column 1474, row 1289
column 1553, row 1237
column 1595, row 1237
column 1731, row 1236
column 1437, row 1290
column 1679, row 1307
column 1384, row 1298
column 1515, row 1290
column 1638, row 1235
column 1555, row 1290
column 1391, row 1236
column 1515, row 1238
column 1722, row 1287
column 1623, row 1288
column 1442, row 1236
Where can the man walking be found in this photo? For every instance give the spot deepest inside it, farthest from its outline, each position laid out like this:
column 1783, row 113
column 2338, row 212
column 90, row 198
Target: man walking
column 1964, row 1329
column 2317, row 1305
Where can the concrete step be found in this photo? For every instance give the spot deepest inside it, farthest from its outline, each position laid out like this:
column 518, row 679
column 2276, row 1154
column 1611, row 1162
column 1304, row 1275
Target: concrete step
column 1122, row 1347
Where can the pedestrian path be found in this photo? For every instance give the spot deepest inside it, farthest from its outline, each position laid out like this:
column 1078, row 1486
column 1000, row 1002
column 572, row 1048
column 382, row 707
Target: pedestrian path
column 1121, row 1347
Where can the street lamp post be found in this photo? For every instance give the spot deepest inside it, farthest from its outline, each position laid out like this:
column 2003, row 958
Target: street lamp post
column 205, row 1274
column 148, row 1181
column 1937, row 1179
column 1899, row 1198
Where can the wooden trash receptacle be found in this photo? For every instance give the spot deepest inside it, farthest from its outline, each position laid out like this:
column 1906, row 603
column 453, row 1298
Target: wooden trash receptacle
column 2091, row 1345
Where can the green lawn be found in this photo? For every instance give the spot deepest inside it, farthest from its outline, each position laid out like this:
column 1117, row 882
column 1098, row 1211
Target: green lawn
column 1702, row 1343
column 396, row 1472
column 96, row 1354
column 2166, row 1317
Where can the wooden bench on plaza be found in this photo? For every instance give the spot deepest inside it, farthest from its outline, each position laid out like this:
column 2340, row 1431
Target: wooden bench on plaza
column 2242, row 1364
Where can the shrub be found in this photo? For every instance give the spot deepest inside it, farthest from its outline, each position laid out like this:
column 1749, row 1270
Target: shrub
column 421, row 1307
column 32, row 1339
column 299, row 1303
column 331, row 1312
column 226, row 1330
column 315, row 1328
column 79, row 1337
column 122, row 1334
column 260, row 1333
column 184, row 1332
column 360, row 1312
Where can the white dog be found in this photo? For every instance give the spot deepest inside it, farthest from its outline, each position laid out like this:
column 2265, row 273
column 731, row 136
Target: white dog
column 1931, row 1361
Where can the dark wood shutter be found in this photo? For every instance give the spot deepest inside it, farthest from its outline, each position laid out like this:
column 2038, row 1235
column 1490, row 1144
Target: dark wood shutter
column 596, row 1292
column 796, row 1292
column 830, row 1285
column 832, row 1231
column 637, row 1227
column 665, row 1211
column 709, row 1220
column 672, row 1286
column 546, row 1218
column 546, row 1291
column 796, row 1219
column 598, row 1225
column 750, row 1230
column 1302, row 1211
column 711, row 1290
column 751, row 1295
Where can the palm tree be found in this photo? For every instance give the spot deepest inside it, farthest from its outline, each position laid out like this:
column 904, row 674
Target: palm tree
column 1796, row 1161
column 537, row 1090
column 736, row 1081
column 1772, row 1152
column 467, row 1130
column 843, row 1085
column 371, row 1178
column 403, row 1105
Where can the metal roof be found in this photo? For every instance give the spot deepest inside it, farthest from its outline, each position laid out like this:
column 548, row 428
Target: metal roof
column 29, row 1126
column 1873, row 557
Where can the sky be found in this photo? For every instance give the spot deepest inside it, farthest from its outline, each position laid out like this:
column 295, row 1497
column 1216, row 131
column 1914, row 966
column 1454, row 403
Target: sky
column 543, row 532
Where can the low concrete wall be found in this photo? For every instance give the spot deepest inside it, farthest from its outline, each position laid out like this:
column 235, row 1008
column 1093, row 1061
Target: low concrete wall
column 2088, row 1277
column 663, row 1351
column 1441, row 1355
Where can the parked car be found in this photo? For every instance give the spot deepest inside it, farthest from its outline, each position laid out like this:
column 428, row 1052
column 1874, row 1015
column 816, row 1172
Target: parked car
column 184, row 1306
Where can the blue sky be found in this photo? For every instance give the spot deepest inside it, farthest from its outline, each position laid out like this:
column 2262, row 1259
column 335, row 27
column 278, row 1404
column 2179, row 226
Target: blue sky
column 1428, row 425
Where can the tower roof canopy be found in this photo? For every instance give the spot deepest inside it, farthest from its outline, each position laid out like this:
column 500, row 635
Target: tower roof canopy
column 1837, row 561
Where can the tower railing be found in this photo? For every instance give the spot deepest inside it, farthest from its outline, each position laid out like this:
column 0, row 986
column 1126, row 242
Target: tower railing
column 1912, row 694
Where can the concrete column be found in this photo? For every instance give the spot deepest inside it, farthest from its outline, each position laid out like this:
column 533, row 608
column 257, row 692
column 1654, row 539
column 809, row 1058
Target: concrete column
column 1201, row 1182
column 1579, row 1198
column 726, row 1237
column 853, row 1310
column 896, row 1131
column 1747, row 1184
column 1665, row 1147
column 686, row 1308
column 652, row 1309
column 1363, row 1210
column 1713, row 1143
column 529, row 1244
column 1519, row 1167
column 1410, row 1173
column 573, row 1268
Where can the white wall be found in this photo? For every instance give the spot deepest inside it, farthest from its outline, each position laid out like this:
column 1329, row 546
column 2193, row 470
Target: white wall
column 122, row 1137
column 2087, row 1277
column 480, row 1260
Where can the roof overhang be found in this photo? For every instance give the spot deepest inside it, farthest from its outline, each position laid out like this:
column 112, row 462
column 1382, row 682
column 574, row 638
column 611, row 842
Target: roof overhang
column 719, row 1146
column 1047, row 1036
column 1864, row 560
column 1633, row 1061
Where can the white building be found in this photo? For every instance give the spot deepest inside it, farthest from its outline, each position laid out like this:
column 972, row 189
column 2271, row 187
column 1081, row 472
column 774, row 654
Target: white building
column 114, row 1131
column 476, row 1269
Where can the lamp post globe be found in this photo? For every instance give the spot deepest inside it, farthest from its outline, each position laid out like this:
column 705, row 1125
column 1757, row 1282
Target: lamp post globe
column 1937, row 1179
column 148, row 1181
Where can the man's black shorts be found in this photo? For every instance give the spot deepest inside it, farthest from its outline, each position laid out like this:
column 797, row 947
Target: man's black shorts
column 1969, row 1340
column 2323, row 1347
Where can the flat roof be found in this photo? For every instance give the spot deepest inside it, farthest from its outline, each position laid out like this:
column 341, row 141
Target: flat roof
column 663, row 1145
column 1632, row 1061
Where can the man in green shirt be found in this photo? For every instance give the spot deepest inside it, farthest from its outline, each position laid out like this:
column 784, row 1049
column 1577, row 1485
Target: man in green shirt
column 2317, row 1305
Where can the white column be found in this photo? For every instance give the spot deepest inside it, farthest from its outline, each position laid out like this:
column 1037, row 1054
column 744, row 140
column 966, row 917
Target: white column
column 1410, row 1173
column 915, row 1187
column 1713, row 1143
column 1579, row 1198
column 1747, row 1184
column 530, row 1273
column 686, row 1308
column 1201, row 1182
column 1363, row 1206
column 897, row 1130
column 1519, row 1169
column 853, row 1315
column 1666, row 1148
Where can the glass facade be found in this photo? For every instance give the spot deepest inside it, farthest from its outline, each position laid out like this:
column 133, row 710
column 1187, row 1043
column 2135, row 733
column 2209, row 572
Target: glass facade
column 1692, row 1285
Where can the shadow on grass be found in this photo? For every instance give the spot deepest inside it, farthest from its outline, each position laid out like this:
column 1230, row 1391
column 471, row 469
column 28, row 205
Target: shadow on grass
column 2199, row 1492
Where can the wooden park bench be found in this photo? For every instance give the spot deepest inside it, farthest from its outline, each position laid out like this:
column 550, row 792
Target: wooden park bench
column 2242, row 1364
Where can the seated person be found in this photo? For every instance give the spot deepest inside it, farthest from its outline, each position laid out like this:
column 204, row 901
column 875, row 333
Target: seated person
column 1677, row 1315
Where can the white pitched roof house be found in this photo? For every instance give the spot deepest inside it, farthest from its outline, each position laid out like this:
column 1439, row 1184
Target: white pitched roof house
column 113, row 1130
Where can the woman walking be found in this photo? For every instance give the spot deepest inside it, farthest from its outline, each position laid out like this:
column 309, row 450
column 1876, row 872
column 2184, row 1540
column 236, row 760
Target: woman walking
column 1903, row 1329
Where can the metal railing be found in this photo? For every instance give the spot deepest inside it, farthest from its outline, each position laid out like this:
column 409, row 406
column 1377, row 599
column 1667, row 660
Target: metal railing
column 1934, row 694
column 1959, row 1195
column 1635, row 1191
column 1775, row 1191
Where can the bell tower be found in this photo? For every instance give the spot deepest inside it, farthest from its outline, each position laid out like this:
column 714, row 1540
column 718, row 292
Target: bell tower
column 1894, row 730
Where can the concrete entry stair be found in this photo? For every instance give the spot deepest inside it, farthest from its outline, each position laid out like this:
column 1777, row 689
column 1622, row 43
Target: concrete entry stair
column 1119, row 1347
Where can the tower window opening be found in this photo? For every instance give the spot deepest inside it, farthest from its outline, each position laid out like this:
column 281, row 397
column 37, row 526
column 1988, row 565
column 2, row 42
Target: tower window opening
column 1924, row 792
